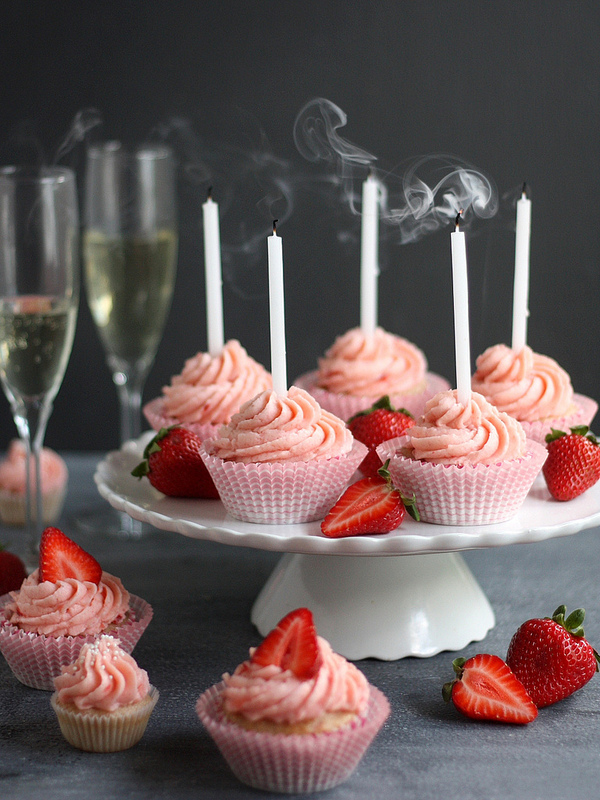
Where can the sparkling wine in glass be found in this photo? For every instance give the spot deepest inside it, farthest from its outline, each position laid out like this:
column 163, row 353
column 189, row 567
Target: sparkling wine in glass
column 39, row 294
column 130, row 257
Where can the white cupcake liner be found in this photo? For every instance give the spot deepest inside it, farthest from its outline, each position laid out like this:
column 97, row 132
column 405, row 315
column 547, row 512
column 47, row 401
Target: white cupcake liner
column 36, row 659
column 345, row 406
column 469, row 494
column 105, row 731
column 296, row 763
column 155, row 414
column 12, row 506
column 583, row 415
column 285, row 492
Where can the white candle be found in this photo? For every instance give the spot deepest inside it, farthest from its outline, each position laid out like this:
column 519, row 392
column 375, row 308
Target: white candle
column 213, row 276
column 460, row 291
column 277, row 313
column 521, row 284
column 369, row 255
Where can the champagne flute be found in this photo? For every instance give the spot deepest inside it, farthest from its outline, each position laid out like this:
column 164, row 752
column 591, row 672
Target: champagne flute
column 130, row 255
column 39, row 295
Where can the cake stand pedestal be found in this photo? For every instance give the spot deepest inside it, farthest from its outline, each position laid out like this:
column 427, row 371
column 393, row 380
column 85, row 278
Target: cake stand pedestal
column 381, row 607
column 405, row 593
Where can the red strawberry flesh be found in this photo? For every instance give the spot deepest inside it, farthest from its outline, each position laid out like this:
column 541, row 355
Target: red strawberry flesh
column 376, row 425
column 12, row 572
column 292, row 645
column 62, row 558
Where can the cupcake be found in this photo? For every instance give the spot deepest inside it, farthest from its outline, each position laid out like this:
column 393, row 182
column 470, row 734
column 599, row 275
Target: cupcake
column 531, row 388
column 208, row 391
column 54, row 477
column 103, row 700
column 65, row 603
column 358, row 369
column 295, row 717
column 282, row 459
column 466, row 464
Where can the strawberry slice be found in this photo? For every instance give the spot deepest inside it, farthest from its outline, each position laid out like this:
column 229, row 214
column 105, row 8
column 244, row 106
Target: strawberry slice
column 292, row 645
column 371, row 505
column 61, row 558
column 487, row 689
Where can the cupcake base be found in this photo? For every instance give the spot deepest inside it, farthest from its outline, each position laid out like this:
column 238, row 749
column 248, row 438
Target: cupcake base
column 584, row 413
column 293, row 763
column 104, row 731
column 36, row 660
column 12, row 507
column 469, row 494
column 345, row 406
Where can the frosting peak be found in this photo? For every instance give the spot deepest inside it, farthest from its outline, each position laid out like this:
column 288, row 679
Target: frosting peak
column 371, row 366
column 273, row 427
column 476, row 433
column 271, row 693
column 104, row 677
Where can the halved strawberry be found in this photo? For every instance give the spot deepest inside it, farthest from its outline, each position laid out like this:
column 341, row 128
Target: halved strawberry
column 371, row 505
column 486, row 688
column 292, row 645
column 61, row 558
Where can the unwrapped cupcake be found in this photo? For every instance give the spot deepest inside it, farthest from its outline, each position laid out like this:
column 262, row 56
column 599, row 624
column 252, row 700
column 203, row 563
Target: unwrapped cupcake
column 466, row 464
column 358, row 369
column 65, row 603
column 208, row 391
column 532, row 388
column 54, row 476
column 103, row 700
column 282, row 459
column 294, row 717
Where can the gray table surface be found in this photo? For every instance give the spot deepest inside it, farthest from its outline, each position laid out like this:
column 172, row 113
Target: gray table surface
column 202, row 594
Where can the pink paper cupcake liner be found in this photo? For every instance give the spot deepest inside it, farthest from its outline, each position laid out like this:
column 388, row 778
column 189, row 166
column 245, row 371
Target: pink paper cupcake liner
column 155, row 414
column 12, row 506
column 345, row 406
column 583, row 415
column 285, row 492
column 470, row 494
column 291, row 763
column 36, row 659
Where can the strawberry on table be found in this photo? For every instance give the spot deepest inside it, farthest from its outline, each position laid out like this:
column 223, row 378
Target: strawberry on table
column 12, row 571
column 371, row 505
column 173, row 465
column 292, row 645
column 551, row 656
column 573, row 463
column 61, row 558
column 375, row 425
column 486, row 689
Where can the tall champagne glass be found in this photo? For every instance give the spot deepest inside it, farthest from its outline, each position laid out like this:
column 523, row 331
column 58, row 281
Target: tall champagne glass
column 130, row 255
column 39, row 294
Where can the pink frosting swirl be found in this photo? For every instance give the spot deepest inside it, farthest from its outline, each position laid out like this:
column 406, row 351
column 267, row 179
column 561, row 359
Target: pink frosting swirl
column 273, row 427
column 12, row 470
column 210, row 390
column 476, row 433
column 371, row 366
column 104, row 677
column 526, row 385
column 68, row 607
column 271, row 693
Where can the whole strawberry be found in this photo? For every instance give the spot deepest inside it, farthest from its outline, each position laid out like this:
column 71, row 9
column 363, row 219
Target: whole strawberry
column 551, row 657
column 573, row 463
column 12, row 571
column 174, row 466
column 376, row 425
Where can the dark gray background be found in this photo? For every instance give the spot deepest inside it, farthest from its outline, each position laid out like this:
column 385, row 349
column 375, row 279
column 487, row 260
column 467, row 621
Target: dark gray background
column 513, row 88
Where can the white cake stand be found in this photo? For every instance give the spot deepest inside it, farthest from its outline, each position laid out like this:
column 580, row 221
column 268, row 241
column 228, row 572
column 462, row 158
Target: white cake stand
column 367, row 600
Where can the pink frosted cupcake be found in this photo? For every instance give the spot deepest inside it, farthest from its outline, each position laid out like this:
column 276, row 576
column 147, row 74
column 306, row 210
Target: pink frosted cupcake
column 466, row 464
column 533, row 389
column 103, row 701
column 359, row 369
column 68, row 602
column 208, row 391
column 296, row 717
column 54, row 475
column 282, row 459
